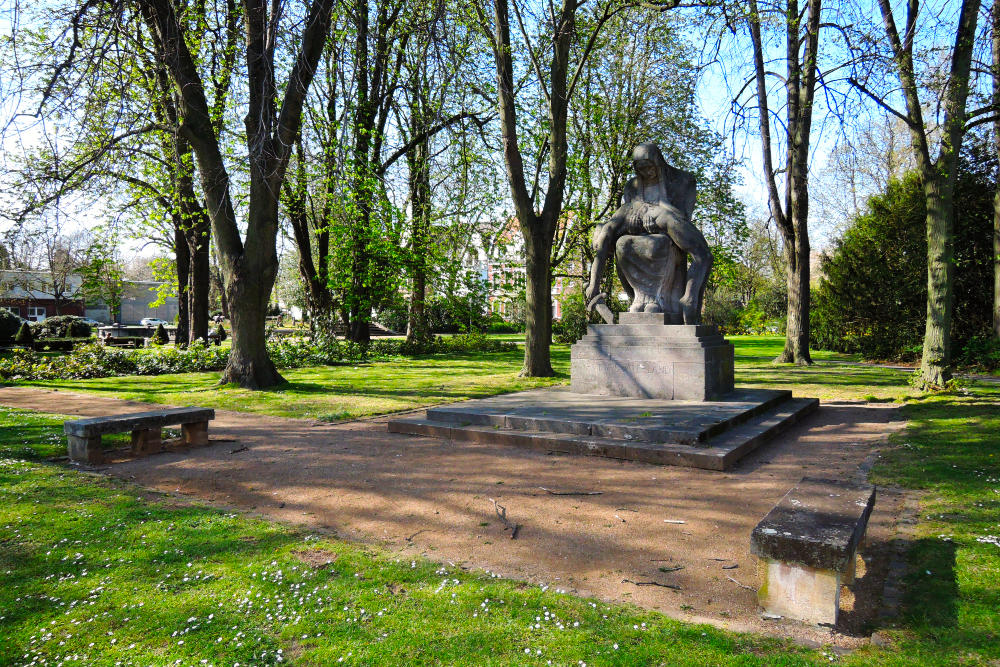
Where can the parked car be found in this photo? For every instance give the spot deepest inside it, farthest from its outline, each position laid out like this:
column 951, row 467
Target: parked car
column 153, row 322
column 92, row 323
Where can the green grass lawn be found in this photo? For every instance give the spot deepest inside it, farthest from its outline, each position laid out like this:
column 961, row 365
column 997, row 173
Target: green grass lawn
column 348, row 391
column 337, row 392
column 96, row 571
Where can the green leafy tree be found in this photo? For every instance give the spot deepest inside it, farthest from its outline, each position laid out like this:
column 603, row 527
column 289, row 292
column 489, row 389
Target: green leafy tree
column 103, row 275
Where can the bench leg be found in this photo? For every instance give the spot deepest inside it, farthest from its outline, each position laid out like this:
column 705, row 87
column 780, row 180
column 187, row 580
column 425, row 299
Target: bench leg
column 86, row 450
column 196, row 434
column 799, row 592
column 146, row 441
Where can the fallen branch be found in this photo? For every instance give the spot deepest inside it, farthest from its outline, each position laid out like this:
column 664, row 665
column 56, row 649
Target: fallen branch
column 625, row 509
column 239, row 449
column 749, row 588
column 671, row 569
column 502, row 515
column 571, row 493
column 677, row 521
column 410, row 538
column 651, row 583
column 730, row 567
column 620, row 519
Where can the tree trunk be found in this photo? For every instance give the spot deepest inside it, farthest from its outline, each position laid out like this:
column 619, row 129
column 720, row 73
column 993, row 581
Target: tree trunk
column 538, row 294
column 996, row 263
column 995, row 48
column 420, row 207
column 183, row 261
column 198, row 237
column 249, row 364
column 796, row 348
column 936, row 360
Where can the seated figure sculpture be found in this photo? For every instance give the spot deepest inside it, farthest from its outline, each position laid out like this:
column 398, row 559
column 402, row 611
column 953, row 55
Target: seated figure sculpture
column 651, row 232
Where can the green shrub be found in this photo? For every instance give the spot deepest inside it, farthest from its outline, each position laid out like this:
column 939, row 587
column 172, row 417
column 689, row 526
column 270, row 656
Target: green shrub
column 572, row 326
column 10, row 324
column 981, row 353
column 61, row 326
column 24, row 336
column 160, row 336
column 220, row 333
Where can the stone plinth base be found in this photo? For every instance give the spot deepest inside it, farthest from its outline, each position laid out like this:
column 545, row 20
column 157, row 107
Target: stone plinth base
column 807, row 546
column 800, row 592
column 642, row 357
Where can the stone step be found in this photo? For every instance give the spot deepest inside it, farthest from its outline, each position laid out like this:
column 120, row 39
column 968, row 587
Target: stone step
column 638, row 424
column 720, row 452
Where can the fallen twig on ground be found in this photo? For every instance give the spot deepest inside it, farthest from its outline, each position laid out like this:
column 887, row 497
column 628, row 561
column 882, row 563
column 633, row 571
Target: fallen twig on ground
column 651, row 583
column 730, row 567
column 502, row 515
column 677, row 521
column 239, row 449
column 671, row 569
column 620, row 519
column 410, row 538
column 570, row 493
column 749, row 588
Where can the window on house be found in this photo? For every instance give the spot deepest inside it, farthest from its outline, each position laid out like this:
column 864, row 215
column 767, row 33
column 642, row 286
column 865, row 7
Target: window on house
column 36, row 313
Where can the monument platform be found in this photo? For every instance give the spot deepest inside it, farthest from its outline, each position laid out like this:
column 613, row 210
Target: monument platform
column 700, row 434
column 644, row 356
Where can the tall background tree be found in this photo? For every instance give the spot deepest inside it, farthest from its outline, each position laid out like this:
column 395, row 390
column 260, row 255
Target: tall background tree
column 888, row 55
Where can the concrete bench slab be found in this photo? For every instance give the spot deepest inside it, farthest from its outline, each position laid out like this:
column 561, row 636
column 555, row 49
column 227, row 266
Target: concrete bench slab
column 84, row 435
column 807, row 545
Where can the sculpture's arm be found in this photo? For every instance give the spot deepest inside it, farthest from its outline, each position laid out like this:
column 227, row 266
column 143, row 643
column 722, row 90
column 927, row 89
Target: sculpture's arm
column 604, row 239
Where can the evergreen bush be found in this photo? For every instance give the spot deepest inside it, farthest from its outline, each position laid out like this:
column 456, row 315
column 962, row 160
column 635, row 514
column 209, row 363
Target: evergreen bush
column 10, row 324
column 24, row 336
column 872, row 297
column 160, row 336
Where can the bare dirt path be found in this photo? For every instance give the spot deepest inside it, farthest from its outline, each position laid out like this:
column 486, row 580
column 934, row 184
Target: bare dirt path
column 432, row 497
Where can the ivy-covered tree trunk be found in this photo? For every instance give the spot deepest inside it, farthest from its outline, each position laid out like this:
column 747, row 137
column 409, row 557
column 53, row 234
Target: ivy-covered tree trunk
column 420, row 209
column 183, row 262
column 995, row 48
column 199, row 279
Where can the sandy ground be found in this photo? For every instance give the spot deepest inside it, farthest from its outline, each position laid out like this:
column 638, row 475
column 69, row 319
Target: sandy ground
column 418, row 495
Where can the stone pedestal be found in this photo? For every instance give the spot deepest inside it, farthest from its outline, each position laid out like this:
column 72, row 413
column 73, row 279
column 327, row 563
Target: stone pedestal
column 644, row 357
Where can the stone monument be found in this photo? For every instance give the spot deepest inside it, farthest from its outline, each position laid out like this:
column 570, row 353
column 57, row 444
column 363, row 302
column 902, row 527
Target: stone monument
column 659, row 349
column 664, row 380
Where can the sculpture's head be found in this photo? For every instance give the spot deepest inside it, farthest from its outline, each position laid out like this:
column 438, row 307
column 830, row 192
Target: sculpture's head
column 648, row 162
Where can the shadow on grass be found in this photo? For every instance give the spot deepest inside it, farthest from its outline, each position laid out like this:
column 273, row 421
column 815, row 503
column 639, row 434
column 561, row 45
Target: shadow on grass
column 931, row 596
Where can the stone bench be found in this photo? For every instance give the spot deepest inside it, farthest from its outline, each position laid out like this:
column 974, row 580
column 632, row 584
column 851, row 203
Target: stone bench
column 84, row 435
column 807, row 545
